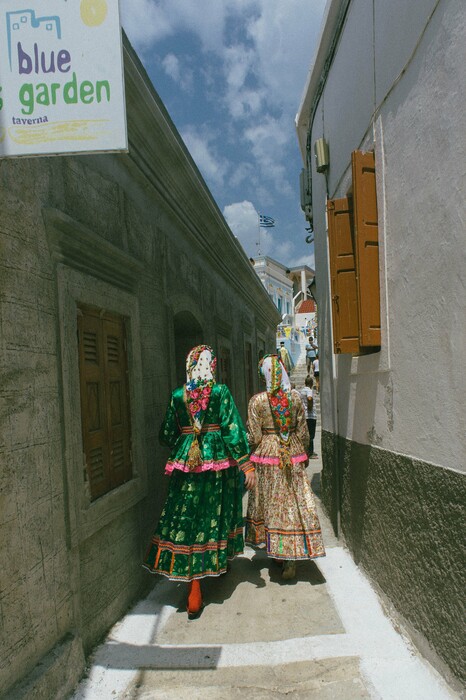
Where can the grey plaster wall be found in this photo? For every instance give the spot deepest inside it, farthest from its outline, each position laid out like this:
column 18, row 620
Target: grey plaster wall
column 387, row 399
column 425, row 230
column 396, row 85
column 397, row 28
column 349, row 89
column 404, row 521
column 138, row 235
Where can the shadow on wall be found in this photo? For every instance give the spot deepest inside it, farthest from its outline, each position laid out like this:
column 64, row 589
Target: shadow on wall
column 354, row 475
column 357, row 395
column 346, row 462
column 188, row 333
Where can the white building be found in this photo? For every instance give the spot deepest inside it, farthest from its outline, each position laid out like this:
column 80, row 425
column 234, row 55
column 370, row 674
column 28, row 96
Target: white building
column 275, row 278
column 289, row 290
column 304, row 306
column 386, row 95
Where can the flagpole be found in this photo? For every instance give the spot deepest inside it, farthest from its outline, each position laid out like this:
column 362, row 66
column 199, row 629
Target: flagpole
column 259, row 233
column 266, row 222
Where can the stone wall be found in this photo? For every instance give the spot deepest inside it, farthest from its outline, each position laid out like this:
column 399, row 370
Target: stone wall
column 139, row 235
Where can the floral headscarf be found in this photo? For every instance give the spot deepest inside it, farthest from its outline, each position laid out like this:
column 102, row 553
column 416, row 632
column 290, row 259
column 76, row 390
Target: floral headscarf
column 279, row 392
column 200, row 378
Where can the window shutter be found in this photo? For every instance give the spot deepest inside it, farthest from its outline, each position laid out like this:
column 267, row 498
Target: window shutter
column 367, row 247
column 118, row 418
column 93, row 402
column 105, row 410
column 225, row 366
column 249, row 371
column 343, row 277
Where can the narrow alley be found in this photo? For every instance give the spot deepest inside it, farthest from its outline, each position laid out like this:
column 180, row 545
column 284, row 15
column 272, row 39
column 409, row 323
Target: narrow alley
column 323, row 635
column 204, row 187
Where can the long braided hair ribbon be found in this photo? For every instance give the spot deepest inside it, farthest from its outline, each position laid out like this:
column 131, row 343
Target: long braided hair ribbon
column 200, row 378
column 279, row 395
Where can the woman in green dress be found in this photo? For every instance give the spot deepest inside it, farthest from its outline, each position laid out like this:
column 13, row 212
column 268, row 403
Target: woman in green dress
column 201, row 525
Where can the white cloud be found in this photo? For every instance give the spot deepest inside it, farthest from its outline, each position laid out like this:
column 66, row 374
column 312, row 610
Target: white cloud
column 281, row 63
column 243, row 172
column 172, row 67
column 268, row 141
column 253, row 62
column 283, row 250
column 303, row 260
column 238, row 65
column 147, row 21
column 242, row 218
column 283, row 36
column 212, row 166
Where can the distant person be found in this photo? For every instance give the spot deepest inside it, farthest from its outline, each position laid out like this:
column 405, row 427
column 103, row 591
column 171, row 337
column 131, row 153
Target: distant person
column 315, row 368
column 285, row 357
column 281, row 511
column 307, row 397
column 311, row 353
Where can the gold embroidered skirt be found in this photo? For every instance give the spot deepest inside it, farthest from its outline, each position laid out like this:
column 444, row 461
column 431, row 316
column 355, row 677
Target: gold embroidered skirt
column 282, row 514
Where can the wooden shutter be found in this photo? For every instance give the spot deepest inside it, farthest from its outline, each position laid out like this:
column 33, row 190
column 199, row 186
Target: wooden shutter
column 343, row 277
column 116, row 386
column 225, row 366
column 93, row 403
column 249, row 371
column 367, row 247
column 104, row 400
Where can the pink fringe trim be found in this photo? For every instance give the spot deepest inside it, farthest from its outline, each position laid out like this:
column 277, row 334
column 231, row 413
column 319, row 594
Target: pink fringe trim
column 205, row 467
column 276, row 460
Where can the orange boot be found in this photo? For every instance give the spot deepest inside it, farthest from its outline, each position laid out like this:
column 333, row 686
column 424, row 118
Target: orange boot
column 194, row 599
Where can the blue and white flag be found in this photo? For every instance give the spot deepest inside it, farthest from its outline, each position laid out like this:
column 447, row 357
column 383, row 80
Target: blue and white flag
column 266, row 221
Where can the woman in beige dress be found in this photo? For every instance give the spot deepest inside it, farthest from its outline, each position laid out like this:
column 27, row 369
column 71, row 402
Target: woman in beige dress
column 281, row 510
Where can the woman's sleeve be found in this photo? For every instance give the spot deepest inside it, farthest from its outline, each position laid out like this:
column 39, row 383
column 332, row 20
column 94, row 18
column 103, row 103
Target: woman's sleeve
column 302, row 431
column 233, row 431
column 254, row 424
column 170, row 429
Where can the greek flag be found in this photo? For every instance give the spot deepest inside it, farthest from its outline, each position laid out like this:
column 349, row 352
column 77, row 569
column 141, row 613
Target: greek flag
column 266, row 221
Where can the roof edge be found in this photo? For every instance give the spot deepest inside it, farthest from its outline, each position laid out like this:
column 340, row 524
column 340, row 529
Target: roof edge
column 334, row 14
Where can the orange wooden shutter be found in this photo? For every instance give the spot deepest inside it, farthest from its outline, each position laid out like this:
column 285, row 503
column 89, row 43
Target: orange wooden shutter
column 367, row 247
column 118, row 418
column 343, row 277
column 93, row 403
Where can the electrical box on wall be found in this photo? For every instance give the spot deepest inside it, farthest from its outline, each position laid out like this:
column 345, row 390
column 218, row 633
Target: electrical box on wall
column 322, row 155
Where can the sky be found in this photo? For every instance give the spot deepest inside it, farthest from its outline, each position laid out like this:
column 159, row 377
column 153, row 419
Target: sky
column 231, row 74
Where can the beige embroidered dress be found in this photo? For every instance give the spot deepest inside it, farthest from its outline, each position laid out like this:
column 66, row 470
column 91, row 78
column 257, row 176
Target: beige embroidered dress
column 281, row 509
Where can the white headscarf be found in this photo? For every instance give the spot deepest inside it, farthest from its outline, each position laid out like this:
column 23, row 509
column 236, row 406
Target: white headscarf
column 266, row 370
column 199, row 366
column 200, row 377
column 279, row 395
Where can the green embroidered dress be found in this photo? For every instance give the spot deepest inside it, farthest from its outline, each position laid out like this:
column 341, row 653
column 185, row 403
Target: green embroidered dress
column 201, row 525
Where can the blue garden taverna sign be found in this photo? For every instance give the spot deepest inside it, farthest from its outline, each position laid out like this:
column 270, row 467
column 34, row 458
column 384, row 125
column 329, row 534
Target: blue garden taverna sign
column 61, row 77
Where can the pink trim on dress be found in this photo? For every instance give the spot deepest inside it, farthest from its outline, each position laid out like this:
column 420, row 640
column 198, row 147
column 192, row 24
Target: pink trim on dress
column 276, row 460
column 204, row 467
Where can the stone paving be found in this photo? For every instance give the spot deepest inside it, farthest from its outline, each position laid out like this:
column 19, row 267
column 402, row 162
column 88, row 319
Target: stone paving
column 323, row 635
